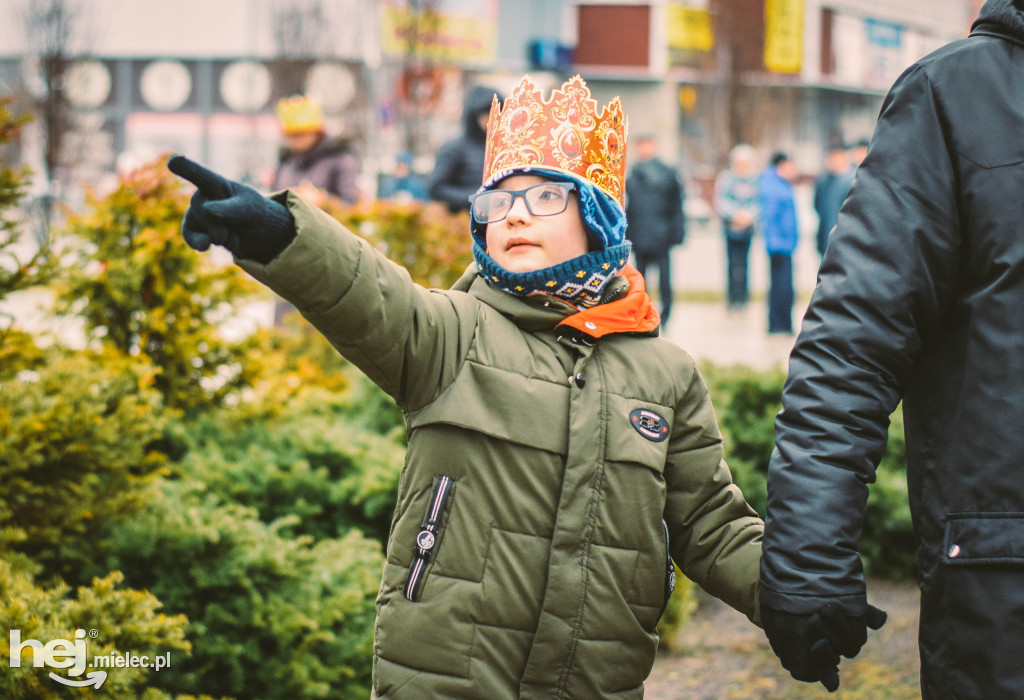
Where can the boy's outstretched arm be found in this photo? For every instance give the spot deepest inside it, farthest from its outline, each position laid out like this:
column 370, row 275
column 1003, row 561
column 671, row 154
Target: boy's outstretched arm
column 408, row 340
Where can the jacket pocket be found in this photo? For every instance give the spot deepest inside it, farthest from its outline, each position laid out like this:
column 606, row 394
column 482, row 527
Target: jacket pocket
column 981, row 609
column 973, row 539
column 428, row 539
column 504, row 405
column 638, row 432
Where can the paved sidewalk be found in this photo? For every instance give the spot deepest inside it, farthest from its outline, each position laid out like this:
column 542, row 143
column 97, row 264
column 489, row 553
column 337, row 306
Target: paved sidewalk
column 708, row 332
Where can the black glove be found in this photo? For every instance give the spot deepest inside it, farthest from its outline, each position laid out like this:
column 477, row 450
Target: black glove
column 809, row 644
column 232, row 215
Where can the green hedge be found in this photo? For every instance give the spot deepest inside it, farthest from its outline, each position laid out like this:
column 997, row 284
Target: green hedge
column 272, row 614
column 747, row 402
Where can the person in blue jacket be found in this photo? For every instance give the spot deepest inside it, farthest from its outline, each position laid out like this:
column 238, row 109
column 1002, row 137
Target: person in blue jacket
column 779, row 227
column 403, row 184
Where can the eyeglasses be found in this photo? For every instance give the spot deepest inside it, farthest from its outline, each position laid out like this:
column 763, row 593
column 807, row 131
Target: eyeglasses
column 545, row 199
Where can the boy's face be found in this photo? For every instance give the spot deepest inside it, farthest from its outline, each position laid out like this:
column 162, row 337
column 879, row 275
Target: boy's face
column 523, row 242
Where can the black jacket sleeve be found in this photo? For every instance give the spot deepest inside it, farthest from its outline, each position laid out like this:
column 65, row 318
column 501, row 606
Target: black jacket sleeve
column 883, row 289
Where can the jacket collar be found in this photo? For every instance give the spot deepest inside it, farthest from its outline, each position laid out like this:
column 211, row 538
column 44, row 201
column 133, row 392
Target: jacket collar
column 627, row 307
column 1003, row 18
column 630, row 312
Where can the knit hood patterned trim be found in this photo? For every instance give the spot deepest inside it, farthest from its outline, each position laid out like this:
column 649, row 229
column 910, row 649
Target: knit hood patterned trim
column 580, row 281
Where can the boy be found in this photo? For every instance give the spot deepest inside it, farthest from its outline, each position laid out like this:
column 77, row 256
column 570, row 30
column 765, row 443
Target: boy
column 558, row 451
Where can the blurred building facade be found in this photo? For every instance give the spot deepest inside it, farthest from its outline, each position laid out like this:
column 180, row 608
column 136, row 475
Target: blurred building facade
column 202, row 77
column 778, row 74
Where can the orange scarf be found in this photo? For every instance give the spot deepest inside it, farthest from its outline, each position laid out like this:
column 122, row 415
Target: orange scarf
column 633, row 313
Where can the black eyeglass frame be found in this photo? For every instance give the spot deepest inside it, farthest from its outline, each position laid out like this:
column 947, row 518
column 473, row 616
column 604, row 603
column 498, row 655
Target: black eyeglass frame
column 567, row 186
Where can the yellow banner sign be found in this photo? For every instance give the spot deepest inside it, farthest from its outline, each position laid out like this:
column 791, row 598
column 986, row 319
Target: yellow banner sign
column 465, row 33
column 689, row 28
column 783, row 35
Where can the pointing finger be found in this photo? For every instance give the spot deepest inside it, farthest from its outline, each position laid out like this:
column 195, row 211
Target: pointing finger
column 210, row 183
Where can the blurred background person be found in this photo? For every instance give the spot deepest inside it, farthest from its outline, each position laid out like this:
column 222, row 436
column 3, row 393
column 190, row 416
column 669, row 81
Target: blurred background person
column 654, row 216
column 736, row 202
column 857, row 152
column 459, row 165
column 403, row 184
column 311, row 162
column 830, row 190
column 779, row 227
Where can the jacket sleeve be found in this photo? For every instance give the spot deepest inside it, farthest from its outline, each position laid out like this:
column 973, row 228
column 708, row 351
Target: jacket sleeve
column 771, row 215
column 410, row 341
column 714, row 535
column 444, row 178
column 884, row 285
column 724, row 203
column 677, row 200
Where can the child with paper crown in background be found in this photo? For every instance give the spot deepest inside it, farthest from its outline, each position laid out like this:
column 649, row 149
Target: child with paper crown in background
column 310, row 161
column 560, row 455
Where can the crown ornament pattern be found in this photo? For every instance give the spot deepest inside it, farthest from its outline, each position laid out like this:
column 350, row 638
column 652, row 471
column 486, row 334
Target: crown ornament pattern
column 564, row 133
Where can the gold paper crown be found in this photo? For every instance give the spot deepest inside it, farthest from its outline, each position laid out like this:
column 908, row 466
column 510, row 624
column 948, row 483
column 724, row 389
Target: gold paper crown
column 565, row 133
column 299, row 115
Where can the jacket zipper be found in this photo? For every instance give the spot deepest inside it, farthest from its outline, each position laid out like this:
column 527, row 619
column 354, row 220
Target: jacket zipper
column 670, row 571
column 427, row 538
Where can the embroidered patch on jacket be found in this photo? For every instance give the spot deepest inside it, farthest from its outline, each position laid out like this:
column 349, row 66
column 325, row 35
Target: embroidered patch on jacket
column 649, row 424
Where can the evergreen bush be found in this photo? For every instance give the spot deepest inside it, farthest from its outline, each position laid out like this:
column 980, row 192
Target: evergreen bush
column 747, row 401
column 322, row 460
column 76, row 436
column 123, row 621
column 272, row 614
column 142, row 291
column 433, row 244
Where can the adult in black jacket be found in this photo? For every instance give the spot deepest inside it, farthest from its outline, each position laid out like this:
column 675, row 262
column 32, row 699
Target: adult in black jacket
column 459, row 164
column 830, row 189
column 654, row 216
column 921, row 298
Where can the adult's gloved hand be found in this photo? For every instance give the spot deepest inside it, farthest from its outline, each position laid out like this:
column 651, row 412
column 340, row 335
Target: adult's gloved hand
column 232, row 215
column 809, row 644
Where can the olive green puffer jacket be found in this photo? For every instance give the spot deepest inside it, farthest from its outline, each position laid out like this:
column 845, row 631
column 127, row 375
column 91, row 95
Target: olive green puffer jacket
column 549, row 474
